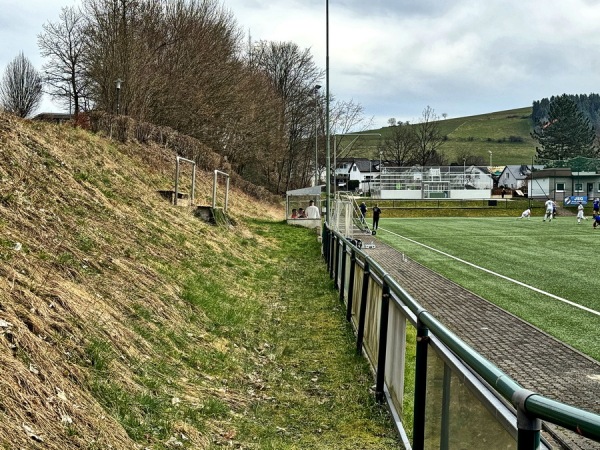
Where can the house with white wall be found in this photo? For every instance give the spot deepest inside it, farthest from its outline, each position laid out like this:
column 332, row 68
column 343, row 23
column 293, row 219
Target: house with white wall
column 361, row 170
column 515, row 176
column 418, row 182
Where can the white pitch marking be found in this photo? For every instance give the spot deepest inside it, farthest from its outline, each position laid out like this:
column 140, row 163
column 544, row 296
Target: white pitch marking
column 512, row 280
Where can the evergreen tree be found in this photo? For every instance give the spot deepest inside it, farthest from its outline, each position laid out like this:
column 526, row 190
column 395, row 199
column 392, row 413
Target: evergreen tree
column 566, row 134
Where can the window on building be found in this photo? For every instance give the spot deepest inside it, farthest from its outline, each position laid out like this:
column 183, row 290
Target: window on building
column 354, row 168
column 560, row 187
column 578, row 187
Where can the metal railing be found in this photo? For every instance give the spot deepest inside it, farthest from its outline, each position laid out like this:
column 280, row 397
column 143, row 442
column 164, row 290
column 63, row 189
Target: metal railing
column 457, row 398
column 215, row 184
column 177, row 173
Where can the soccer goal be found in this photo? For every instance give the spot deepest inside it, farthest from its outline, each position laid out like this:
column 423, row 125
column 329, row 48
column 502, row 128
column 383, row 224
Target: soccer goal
column 347, row 218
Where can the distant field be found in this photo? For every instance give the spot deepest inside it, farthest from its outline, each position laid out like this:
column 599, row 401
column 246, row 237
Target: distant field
column 558, row 258
column 476, row 135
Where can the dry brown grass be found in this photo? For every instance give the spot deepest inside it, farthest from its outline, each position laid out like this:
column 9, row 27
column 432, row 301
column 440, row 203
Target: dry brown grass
column 84, row 240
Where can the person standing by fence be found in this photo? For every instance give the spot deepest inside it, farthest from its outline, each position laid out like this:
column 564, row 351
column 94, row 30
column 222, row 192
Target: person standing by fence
column 376, row 213
column 363, row 212
column 312, row 212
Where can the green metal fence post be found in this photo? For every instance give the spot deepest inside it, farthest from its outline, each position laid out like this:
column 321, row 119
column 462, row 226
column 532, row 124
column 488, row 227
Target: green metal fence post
column 335, row 259
column 360, row 332
column 383, row 331
column 329, row 237
column 351, row 284
column 331, row 252
column 445, row 429
column 325, row 241
column 420, row 386
column 343, row 272
column 528, row 427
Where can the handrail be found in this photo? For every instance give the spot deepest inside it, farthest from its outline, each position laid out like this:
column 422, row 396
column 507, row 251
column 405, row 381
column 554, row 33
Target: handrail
column 214, row 200
column 531, row 407
column 193, row 193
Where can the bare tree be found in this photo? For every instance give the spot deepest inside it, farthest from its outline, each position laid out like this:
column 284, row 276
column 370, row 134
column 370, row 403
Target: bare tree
column 21, row 88
column 429, row 138
column 399, row 147
column 182, row 66
column 347, row 117
column 293, row 75
column 62, row 43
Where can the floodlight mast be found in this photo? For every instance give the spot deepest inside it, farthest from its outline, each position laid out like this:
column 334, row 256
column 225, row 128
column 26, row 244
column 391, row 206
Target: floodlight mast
column 316, row 92
column 328, row 145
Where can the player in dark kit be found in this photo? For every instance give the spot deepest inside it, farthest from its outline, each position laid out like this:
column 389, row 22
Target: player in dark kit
column 376, row 213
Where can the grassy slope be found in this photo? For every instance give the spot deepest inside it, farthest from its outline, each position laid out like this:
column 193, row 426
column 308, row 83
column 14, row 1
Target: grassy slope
column 475, row 135
column 128, row 323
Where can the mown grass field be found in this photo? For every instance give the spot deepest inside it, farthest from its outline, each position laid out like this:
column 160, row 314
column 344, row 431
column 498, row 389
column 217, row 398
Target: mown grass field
column 557, row 257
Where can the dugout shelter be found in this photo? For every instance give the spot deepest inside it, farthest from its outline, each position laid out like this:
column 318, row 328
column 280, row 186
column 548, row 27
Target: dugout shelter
column 300, row 198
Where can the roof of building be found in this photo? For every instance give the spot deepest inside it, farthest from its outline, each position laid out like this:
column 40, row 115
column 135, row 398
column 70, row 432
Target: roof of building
column 520, row 171
column 312, row 190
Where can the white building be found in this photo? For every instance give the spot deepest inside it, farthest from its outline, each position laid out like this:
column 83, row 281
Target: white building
column 417, row 182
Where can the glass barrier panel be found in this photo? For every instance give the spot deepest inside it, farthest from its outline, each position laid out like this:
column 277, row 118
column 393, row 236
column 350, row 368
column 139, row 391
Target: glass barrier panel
column 358, row 282
column 346, row 279
column 372, row 319
column 408, row 403
column 395, row 355
column 455, row 418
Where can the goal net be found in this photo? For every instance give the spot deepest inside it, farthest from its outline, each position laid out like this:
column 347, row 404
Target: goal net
column 347, row 218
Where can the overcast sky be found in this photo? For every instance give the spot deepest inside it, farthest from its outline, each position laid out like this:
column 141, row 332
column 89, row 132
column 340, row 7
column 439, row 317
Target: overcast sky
column 395, row 58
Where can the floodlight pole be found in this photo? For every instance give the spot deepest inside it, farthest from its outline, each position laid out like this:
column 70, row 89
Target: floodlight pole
column 316, row 92
column 328, row 148
column 380, row 172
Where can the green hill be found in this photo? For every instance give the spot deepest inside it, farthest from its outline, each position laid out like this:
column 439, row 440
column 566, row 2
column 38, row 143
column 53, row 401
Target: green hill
column 504, row 133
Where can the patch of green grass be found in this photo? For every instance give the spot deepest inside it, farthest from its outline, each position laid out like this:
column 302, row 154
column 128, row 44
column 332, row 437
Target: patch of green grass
column 142, row 414
column 454, row 208
column 270, row 362
column 82, row 176
column 99, row 354
column 315, row 387
column 546, row 256
column 85, row 243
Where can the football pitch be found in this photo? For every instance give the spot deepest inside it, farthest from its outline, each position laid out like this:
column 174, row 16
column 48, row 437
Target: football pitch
column 543, row 272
